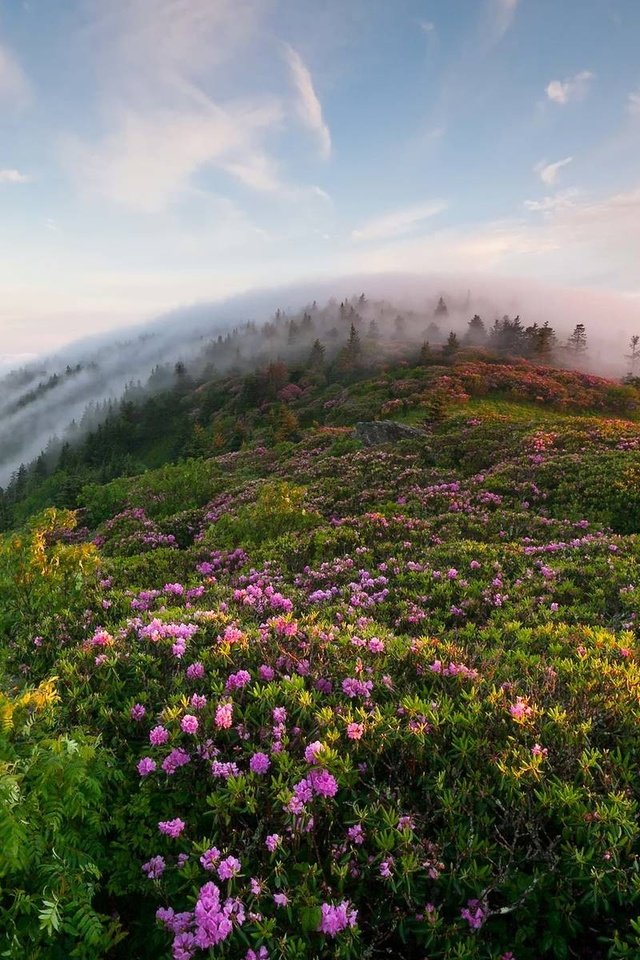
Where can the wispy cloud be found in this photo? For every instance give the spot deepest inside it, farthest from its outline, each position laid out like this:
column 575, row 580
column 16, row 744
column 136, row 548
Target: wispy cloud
column 308, row 106
column 427, row 26
column 633, row 104
column 573, row 88
column 548, row 172
column 157, row 65
column 502, row 13
column 397, row 223
column 15, row 89
column 560, row 200
column 14, row 176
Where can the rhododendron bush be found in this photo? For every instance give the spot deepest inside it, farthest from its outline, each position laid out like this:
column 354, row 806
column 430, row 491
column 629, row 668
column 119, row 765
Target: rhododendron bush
column 365, row 703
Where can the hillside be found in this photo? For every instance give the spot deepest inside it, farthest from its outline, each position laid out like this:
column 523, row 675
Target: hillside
column 275, row 690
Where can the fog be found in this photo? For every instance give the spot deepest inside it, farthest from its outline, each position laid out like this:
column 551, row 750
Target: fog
column 60, row 396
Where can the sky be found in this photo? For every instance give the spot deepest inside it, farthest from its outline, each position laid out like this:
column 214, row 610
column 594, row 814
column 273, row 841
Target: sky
column 156, row 153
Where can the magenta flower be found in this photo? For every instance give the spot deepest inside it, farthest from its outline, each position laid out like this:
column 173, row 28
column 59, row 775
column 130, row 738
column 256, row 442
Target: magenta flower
column 474, row 913
column 210, row 858
column 158, row 736
column 189, row 723
column 172, row 828
column 259, row 763
column 229, row 868
column 195, row 671
column 146, row 766
column 323, row 783
column 336, row 918
column 137, row 711
column 280, row 899
column 177, row 758
column 312, row 750
column 273, row 840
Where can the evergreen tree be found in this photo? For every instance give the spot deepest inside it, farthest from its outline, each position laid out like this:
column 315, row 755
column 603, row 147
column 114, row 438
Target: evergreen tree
column 451, row 347
column 634, row 355
column 426, row 354
column 476, row 333
column 317, row 355
column 577, row 342
column 441, row 309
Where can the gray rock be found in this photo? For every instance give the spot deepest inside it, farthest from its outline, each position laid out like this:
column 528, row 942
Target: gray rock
column 371, row 432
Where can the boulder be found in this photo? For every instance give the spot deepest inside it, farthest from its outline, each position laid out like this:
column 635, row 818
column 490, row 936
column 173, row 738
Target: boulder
column 371, row 432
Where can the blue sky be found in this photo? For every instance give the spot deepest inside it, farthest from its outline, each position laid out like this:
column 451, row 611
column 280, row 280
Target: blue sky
column 159, row 152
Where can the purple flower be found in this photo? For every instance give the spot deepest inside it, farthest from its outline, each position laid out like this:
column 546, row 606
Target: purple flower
column 273, row 841
column 177, row 758
column 312, row 750
column 195, row 671
column 189, row 723
column 237, row 681
column 474, row 913
column 323, row 783
column 337, row 918
column 158, row 736
column 280, row 899
column 228, row 868
column 172, row 828
column 266, row 672
column 137, row 711
column 154, row 868
column 259, row 763
column 146, row 766
column 198, row 702
column 210, row 858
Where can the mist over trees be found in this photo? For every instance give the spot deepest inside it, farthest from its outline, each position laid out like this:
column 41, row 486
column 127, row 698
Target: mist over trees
column 84, row 416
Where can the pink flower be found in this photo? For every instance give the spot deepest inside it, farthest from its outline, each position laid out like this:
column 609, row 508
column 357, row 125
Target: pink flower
column 337, row 918
column 189, row 723
column 224, row 716
column 273, row 841
column 158, row 736
column 146, row 766
column 195, row 671
column 474, row 913
column 172, row 828
column 312, row 750
column 355, row 731
column 520, row 710
column 280, row 899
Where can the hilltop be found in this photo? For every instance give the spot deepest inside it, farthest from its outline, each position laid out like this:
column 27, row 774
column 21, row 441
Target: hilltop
column 269, row 690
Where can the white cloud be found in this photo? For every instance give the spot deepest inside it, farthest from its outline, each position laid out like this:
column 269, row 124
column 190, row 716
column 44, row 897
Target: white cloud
column 503, row 13
column 157, row 61
column 308, row 105
column 427, row 26
column 548, row 172
column 565, row 198
column 576, row 241
column 14, row 86
column 14, row 176
column 573, row 88
column 397, row 223
column 633, row 104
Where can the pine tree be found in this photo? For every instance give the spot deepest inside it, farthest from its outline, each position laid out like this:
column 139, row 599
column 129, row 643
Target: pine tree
column 451, row 347
column 577, row 342
column 426, row 354
column 317, row 355
column 634, row 356
column 476, row 331
column 441, row 309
